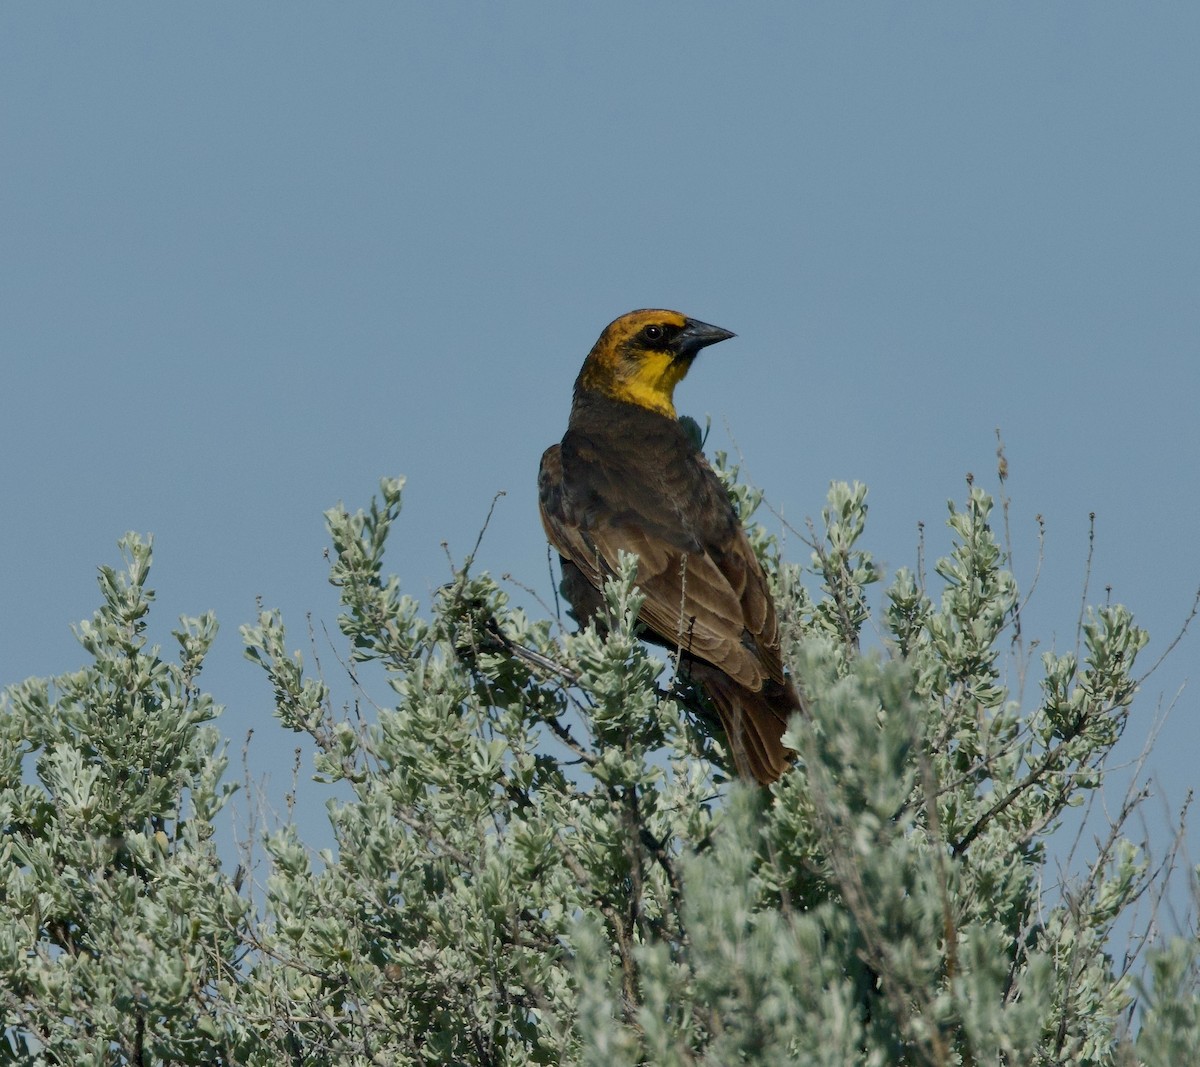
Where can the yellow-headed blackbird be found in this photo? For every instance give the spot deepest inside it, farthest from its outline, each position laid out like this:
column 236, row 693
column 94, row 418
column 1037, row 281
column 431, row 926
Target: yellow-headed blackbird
column 628, row 476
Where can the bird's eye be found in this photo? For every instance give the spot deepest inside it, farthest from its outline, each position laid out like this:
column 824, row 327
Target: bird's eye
column 653, row 333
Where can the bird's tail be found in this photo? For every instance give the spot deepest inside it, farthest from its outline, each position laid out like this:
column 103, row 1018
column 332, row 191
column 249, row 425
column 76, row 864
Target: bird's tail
column 754, row 722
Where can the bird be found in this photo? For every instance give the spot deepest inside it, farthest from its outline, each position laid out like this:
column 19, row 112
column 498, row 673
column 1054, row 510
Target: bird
column 628, row 476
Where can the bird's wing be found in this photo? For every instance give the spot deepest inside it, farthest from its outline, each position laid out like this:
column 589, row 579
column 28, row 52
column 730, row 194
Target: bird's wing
column 715, row 608
column 705, row 591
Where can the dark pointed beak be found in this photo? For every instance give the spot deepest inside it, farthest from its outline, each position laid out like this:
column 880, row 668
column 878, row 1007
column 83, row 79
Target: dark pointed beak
column 696, row 335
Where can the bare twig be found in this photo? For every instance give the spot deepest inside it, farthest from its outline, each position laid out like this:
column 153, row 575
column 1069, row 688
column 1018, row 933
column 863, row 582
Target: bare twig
column 1175, row 641
column 1087, row 579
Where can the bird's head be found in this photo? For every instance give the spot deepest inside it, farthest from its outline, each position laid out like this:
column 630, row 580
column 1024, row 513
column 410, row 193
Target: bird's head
column 642, row 356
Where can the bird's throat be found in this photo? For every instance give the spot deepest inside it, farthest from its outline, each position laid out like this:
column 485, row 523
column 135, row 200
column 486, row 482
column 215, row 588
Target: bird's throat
column 651, row 384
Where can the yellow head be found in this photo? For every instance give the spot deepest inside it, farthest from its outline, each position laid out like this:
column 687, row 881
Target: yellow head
column 642, row 356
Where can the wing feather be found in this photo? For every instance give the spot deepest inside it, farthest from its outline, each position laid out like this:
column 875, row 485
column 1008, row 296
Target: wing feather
column 710, row 599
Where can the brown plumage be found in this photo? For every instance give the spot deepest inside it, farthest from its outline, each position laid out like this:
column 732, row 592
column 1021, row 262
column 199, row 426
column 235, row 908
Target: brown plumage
column 628, row 477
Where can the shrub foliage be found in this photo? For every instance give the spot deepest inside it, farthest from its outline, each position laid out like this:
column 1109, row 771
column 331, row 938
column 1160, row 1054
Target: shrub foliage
column 541, row 858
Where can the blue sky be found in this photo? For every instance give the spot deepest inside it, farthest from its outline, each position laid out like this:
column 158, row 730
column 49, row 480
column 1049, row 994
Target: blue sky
column 255, row 256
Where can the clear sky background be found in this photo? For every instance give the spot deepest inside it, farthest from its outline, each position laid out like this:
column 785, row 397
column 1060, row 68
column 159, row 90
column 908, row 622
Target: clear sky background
column 255, row 256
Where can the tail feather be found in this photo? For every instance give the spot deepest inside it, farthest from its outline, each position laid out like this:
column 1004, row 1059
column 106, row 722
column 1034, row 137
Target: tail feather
column 754, row 722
